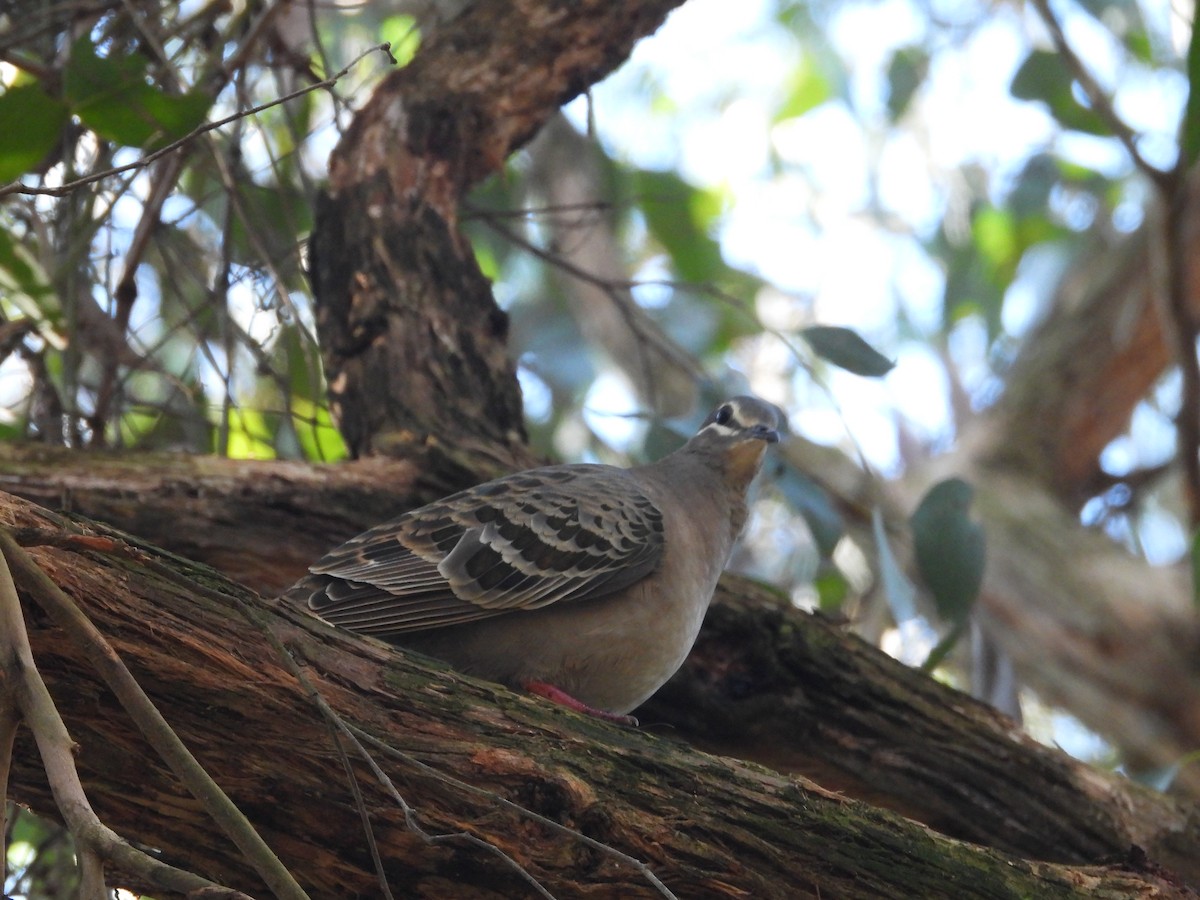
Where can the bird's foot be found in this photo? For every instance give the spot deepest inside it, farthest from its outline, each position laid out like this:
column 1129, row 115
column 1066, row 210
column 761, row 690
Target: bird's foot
column 561, row 697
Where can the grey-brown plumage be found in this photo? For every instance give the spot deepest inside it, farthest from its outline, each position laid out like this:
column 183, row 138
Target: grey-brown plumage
column 589, row 579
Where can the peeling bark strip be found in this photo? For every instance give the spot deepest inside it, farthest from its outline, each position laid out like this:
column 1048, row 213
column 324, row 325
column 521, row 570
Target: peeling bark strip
column 392, row 275
column 706, row 826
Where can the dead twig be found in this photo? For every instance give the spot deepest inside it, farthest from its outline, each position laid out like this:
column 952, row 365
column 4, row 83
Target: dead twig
column 25, row 694
column 144, row 715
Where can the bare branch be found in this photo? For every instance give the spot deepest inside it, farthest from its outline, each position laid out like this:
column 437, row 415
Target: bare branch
column 28, row 694
column 149, row 720
column 1100, row 100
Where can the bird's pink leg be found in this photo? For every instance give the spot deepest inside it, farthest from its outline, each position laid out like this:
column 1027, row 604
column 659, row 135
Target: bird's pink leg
column 561, row 697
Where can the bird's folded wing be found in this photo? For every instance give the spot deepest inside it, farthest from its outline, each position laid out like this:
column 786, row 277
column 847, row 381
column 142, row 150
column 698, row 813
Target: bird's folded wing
column 521, row 542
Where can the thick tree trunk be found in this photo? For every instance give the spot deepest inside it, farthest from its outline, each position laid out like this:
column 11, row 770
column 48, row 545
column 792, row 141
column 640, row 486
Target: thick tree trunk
column 570, row 800
column 392, row 275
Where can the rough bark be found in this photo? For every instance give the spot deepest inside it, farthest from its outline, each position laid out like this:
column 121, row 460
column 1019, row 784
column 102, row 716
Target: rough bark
column 765, row 683
column 797, row 693
column 473, row 762
column 260, row 523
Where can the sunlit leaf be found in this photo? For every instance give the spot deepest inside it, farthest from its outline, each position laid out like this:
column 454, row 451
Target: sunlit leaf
column 846, row 349
column 832, row 589
column 679, row 216
column 807, row 89
column 402, row 33
column 314, row 428
column 949, row 547
column 995, row 233
column 41, row 119
column 250, row 437
column 317, row 433
column 1137, row 42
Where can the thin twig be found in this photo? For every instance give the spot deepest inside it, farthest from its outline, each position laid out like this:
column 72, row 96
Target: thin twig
column 360, row 803
column 10, row 721
column 340, row 727
column 606, row 849
column 1101, row 103
column 616, row 290
column 17, row 187
column 36, row 706
column 149, row 721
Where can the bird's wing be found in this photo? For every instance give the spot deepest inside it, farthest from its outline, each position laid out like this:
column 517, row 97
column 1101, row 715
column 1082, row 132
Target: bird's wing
column 520, row 542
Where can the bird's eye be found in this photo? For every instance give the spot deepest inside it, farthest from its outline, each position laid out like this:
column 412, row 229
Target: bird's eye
column 724, row 414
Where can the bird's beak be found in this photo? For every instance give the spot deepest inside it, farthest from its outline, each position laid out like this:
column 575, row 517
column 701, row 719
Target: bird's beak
column 763, row 433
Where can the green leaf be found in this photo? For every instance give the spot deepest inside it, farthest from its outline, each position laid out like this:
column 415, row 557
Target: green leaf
column 807, row 89
column 402, row 33
column 1044, row 77
column 1030, row 195
column 944, row 646
column 832, row 589
column 271, row 219
column 995, row 234
column 844, row 348
column 250, row 436
column 111, row 95
column 950, row 549
column 23, row 281
column 971, row 287
column 1189, row 138
column 41, row 119
column 314, row 428
column 679, row 216
column 906, row 72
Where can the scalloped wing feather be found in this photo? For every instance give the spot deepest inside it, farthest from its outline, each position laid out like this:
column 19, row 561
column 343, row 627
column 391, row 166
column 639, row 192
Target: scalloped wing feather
column 562, row 533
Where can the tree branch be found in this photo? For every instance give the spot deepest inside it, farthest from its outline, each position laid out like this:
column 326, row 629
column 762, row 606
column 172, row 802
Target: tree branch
column 1100, row 101
column 27, row 693
column 148, row 719
column 696, row 821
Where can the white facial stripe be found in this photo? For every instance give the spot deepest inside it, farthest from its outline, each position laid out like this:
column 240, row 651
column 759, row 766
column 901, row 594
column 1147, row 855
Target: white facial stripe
column 723, row 430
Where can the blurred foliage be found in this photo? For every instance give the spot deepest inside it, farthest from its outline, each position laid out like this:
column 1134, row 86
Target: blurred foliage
column 41, row 858
column 165, row 306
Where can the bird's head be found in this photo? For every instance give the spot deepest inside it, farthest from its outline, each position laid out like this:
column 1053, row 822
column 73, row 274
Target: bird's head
column 738, row 431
